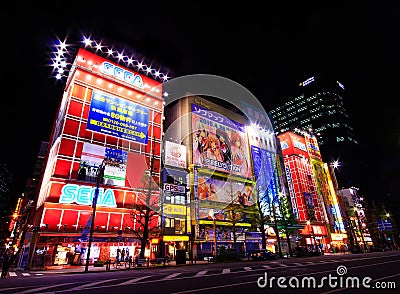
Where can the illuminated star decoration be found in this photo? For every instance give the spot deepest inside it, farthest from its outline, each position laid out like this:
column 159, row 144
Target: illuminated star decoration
column 62, row 55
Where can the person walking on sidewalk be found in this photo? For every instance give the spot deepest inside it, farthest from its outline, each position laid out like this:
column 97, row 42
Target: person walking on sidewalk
column 8, row 260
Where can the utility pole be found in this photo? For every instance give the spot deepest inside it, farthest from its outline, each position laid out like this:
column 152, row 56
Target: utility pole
column 99, row 177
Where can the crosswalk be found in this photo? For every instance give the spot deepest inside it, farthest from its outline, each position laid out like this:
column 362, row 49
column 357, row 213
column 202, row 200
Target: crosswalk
column 269, row 266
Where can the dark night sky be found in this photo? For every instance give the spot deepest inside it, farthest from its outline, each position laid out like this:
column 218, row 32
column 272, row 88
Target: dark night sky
column 268, row 50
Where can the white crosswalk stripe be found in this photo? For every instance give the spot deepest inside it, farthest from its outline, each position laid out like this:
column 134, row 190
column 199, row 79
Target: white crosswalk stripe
column 12, row 274
column 226, row 270
column 298, row 264
column 172, row 276
column 202, row 273
column 283, row 265
column 247, row 268
column 26, row 274
column 132, row 281
column 266, row 266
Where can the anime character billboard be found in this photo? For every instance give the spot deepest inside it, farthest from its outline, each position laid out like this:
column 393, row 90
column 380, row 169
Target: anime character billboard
column 219, row 143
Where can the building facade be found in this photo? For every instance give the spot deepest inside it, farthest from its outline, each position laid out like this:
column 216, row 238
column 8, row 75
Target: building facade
column 109, row 121
column 318, row 104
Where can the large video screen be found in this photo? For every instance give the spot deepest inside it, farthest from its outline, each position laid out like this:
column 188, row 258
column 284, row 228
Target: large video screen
column 219, row 143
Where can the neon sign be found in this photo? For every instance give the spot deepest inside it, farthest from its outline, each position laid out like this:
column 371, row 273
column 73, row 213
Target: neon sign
column 308, row 81
column 299, row 145
column 83, row 195
column 122, row 74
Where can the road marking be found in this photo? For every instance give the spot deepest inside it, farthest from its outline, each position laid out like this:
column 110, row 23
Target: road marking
column 12, row 274
column 171, row 276
column 39, row 289
column 199, row 274
column 299, row 264
column 266, row 266
column 26, row 274
column 226, row 270
column 133, row 281
column 284, row 265
column 90, row 285
column 247, row 268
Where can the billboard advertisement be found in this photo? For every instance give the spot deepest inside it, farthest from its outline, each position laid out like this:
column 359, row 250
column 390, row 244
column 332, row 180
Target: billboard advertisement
column 219, row 143
column 121, row 118
column 115, row 164
column 266, row 174
column 292, row 143
column 225, row 192
column 312, row 147
column 175, row 154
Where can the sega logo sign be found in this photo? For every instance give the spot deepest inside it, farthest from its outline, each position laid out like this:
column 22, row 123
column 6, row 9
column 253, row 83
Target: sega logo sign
column 174, row 188
column 122, row 74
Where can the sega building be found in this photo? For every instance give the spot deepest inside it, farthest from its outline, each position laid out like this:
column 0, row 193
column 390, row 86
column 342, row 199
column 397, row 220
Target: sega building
column 108, row 115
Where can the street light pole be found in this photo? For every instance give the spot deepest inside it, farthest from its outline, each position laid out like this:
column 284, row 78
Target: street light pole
column 99, row 177
column 212, row 214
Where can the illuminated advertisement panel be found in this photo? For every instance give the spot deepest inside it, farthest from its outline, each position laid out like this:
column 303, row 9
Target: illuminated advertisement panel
column 225, row 192
column 114, row 116
column 312, row 147
column 293, row 144
column 266, row 175
column 219, row 143
column 175, row 154
column 115, row 164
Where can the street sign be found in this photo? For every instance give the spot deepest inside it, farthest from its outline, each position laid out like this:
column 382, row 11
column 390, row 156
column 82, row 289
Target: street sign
column 384, row 225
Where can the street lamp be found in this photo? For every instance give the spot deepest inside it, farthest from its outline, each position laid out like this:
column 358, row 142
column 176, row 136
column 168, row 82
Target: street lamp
column 212, row 215
column 99, row 177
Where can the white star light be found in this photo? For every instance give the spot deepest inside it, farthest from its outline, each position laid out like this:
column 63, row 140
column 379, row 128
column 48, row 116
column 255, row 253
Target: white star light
column 61, row 57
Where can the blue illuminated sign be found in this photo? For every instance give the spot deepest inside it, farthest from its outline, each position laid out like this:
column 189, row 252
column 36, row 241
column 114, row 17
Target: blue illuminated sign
column 122, row 74
column 118, row 117
column 83, row 195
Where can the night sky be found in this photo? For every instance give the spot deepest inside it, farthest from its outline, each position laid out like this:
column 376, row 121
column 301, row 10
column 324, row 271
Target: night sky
column 268, row 50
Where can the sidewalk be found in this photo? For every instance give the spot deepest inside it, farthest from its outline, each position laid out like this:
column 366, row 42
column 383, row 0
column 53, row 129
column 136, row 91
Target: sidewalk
column 62, row 269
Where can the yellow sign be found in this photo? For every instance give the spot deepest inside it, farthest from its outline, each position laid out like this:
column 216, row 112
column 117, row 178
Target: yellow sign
column 174, row 209
column 222, row 223
column 338, row 237
column 175, row 238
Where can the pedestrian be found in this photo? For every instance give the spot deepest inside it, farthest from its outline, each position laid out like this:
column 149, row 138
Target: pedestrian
column 123, row 254
column 8, row 259
column 117, row 258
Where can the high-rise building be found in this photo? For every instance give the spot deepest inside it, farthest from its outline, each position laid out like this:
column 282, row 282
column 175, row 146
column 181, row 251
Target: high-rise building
column 318, row 106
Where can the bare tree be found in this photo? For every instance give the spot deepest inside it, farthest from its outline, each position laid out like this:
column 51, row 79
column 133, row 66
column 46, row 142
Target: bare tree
column 235, row 209
column 261, row 219
column 287, row 220
column 146, row 208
